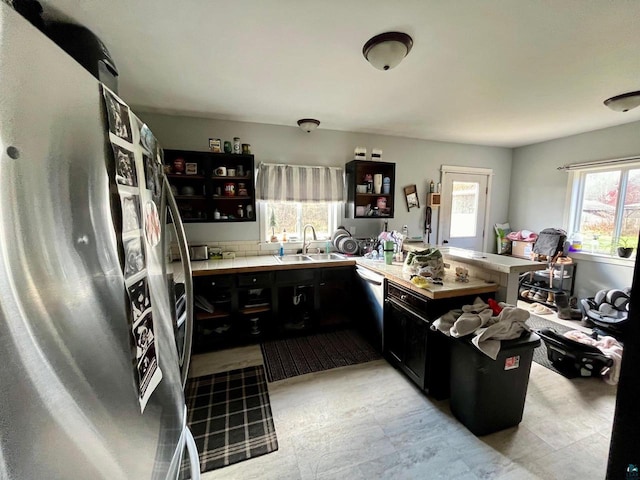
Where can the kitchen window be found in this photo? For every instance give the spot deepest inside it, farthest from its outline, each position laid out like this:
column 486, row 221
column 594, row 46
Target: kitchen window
column 292, row 196
column 605, row 206
column 291, row 217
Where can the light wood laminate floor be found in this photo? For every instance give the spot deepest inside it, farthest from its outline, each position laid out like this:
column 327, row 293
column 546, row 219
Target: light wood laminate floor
column 368, row 421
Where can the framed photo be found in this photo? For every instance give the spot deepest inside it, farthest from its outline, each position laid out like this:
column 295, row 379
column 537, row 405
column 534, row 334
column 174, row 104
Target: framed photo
column 215, row 145
column 411, row 195
column 191, row 168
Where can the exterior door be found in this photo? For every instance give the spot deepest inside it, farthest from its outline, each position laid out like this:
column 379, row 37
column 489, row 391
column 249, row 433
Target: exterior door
column 464, row 209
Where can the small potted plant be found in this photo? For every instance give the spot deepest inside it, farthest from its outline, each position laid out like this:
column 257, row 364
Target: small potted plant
column 625, row 246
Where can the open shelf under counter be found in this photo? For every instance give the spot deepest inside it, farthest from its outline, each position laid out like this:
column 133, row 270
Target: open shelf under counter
column 212, row 315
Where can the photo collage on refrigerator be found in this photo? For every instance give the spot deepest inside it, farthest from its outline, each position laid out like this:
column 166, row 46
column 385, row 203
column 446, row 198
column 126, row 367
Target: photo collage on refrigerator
column 138, row 168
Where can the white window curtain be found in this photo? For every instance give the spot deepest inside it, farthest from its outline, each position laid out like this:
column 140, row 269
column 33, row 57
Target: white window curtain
column 296, row 183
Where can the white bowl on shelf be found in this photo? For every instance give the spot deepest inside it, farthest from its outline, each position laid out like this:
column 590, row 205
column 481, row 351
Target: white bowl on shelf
column 361, row 189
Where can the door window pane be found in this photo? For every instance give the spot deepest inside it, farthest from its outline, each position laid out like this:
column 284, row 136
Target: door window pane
column 464, row 209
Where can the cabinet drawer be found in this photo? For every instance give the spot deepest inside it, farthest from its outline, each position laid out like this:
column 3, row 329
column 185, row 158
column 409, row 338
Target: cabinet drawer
column 290, row 277
column 407, row 297
column 219, row 281
column 254, row 279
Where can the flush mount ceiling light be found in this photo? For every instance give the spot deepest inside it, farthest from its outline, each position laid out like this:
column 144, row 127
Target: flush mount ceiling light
column 623, row 102
column 308, row 124
column 387, row 50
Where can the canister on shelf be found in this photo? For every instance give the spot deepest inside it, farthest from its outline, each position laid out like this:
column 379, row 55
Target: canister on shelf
column 240, row 211
column 179, row 165
column 386, row 186
column 242, row 189
column 229, row 189
column 236, row 144
column 246, row 148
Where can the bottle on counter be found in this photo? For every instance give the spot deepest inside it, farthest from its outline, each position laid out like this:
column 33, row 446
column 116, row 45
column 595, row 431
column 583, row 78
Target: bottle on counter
column 432, row 187
column 284, row 234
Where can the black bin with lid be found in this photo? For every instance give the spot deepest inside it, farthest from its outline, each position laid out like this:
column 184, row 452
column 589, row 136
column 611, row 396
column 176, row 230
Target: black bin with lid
column 488, row 395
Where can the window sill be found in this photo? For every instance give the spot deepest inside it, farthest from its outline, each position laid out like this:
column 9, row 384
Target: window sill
column 601, row 258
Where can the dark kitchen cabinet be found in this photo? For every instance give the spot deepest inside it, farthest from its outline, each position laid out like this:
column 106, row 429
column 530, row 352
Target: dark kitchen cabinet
column 203, row 195
column 405, row 336
column 252, row 307
column 410, row 344
column 369, row 204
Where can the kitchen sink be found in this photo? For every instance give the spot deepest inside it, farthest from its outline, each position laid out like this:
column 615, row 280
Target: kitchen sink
column 293, row 258
column 326, row 256
column 312, row 257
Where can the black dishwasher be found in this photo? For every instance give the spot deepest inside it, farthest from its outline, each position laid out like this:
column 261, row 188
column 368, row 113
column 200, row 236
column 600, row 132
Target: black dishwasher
column 410, row 344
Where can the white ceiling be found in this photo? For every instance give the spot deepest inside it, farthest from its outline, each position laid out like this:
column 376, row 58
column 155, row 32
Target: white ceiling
column 490, row 72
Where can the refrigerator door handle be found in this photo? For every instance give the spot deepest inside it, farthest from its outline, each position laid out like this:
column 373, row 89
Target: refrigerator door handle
column 188, row 282
column 194, row 459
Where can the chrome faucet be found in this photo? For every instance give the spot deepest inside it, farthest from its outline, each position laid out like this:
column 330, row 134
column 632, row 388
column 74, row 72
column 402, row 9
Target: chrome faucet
column 305, row 244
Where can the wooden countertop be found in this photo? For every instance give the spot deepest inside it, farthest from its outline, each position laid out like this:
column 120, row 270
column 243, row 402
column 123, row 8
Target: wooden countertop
column 393, row 272
column 449, row 289
column 260, row 263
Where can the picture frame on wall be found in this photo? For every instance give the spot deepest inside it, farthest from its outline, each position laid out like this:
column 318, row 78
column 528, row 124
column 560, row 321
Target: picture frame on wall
column 411, row 194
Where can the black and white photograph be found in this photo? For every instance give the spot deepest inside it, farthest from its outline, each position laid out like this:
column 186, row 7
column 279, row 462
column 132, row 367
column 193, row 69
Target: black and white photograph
column 152, row 176
column 118, row 113
column 130, row 212
column 149, row 374
column 140, row 300
column 151, row 223
column 125, row 166
column 143, row 335
column 147, row 139
column 134, row 256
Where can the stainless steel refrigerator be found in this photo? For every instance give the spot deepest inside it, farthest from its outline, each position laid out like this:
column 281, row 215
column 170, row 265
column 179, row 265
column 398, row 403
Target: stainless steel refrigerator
column 93, row 355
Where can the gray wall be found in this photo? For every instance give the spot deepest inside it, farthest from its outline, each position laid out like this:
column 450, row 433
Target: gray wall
column 538, row 191
column 417, row 162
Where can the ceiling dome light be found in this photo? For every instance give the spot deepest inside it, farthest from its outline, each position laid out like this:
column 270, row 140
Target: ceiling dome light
column 308, row 124
column 387, row 50
column 624, row 102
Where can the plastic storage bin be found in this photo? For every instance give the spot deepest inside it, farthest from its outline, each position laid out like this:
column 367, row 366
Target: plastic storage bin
column 488, row 395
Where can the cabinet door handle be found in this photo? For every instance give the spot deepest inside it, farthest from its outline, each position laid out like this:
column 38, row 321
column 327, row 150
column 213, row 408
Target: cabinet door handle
column 399, row 306
column 213, row 284
column 254, row 280
column 403, row 297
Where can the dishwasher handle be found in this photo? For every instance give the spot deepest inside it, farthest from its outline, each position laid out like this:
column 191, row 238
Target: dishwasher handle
column 370, row 278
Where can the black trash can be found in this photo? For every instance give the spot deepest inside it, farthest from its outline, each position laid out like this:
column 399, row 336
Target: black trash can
column 488, row 395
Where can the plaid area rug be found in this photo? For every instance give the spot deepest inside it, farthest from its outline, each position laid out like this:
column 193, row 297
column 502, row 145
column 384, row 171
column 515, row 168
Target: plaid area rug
column 540, row 353
column 230, row 417
column 313, row 353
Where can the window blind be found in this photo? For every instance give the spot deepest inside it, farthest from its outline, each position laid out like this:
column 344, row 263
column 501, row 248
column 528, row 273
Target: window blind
column 298, row 183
